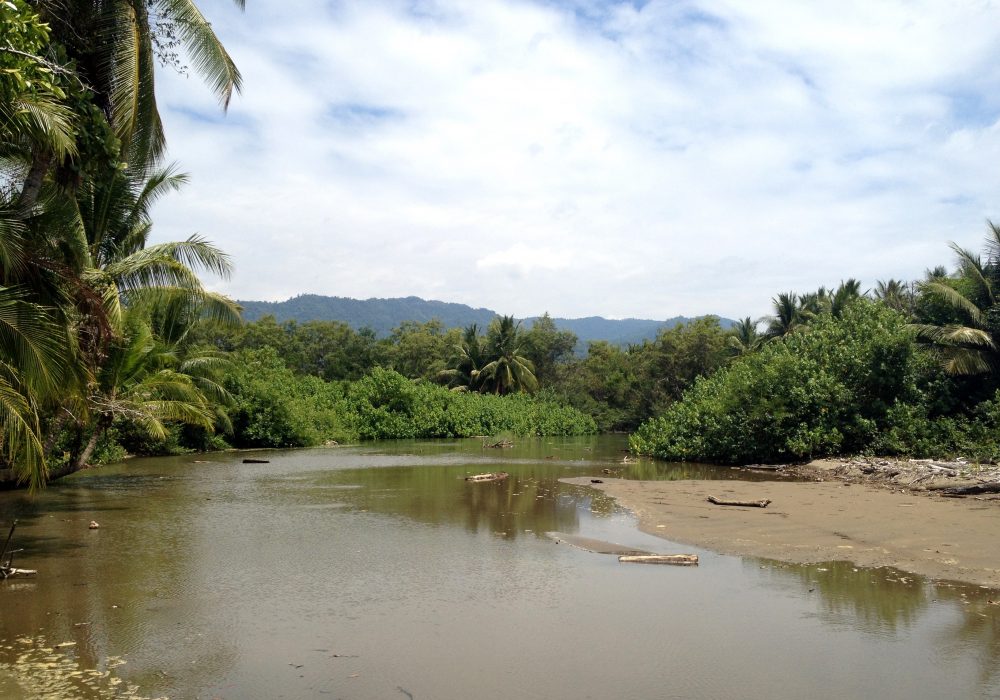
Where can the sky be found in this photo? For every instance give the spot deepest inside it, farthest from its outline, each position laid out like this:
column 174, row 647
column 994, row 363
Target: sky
column 622, row 159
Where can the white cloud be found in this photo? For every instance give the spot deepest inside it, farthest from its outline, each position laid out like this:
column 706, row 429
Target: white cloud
column 682, row 158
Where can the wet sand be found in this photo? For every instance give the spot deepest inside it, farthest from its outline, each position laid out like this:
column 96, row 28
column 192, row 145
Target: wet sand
column 949, row 539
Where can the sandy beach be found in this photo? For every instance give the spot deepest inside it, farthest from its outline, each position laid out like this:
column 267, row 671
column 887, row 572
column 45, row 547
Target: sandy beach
column 807, row 522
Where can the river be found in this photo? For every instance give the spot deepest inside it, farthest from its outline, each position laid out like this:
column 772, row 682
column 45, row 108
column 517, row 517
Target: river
column 377, row 571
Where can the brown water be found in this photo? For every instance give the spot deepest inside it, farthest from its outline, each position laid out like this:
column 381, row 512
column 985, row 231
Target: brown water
column 378, row 572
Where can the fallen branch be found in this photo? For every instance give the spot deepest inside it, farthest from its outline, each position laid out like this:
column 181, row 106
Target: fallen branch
column 674, row 559
column 748, row 504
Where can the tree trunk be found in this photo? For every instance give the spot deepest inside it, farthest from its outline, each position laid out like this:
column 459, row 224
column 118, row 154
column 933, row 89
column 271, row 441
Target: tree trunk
column 40, row 163
column 88, row 450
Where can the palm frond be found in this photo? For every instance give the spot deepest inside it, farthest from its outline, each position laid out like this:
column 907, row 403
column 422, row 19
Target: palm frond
column 19, row 433
column 206, row 52
column 955, row 300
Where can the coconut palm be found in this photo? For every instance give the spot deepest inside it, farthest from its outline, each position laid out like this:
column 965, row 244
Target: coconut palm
column 744, row 337
column 113, row 44
column 121, row 285
column 896, row 294
column 847, row 292
column 139, row 381
column 968, row 343
column 466, row 360
column 508, row 370
column 787, row 315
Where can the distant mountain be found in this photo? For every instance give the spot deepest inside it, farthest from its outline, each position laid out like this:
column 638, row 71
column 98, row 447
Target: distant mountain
column 382, row 315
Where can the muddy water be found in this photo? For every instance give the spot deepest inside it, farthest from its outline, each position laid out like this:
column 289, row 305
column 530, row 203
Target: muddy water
column 378, row 572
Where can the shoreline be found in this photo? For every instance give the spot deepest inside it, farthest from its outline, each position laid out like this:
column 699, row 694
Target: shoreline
column 816, row 521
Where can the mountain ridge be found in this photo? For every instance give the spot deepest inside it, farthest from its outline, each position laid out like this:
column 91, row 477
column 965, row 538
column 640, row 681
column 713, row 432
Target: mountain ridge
column 384, row 314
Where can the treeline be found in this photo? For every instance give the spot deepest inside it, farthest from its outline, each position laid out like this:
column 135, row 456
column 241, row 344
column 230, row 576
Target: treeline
column 616, row 386
column 908, row 368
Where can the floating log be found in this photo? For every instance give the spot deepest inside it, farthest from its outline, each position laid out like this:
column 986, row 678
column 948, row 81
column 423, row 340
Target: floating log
column 491, row 476
column 674, row 559
column 11, row 572
column 972, row 490
column 749, row 504
column 256, row 461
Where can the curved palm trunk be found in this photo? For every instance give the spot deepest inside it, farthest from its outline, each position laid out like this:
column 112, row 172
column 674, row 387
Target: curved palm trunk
column 81, row 462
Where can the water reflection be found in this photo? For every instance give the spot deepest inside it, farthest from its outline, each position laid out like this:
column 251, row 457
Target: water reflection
column 887, row 603
column 878, row 601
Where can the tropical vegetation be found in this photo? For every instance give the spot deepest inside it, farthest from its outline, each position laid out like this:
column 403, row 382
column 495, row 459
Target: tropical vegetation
column 112, row 343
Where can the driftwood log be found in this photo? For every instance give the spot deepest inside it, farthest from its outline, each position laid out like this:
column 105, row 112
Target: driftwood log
column 993, row 487
column 491, row 476
column 674, row 559
column 749, row 504
column 256, row 461
column 10, row 572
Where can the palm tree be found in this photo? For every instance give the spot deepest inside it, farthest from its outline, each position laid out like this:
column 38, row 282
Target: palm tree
column 744, row 337
column 508, row 370
column 139, row 381
column 787, row 315
column 74, row 222
column 113, row 44
column 465, row 362
column 847, row 292
column 895, row 294
column 968, row 342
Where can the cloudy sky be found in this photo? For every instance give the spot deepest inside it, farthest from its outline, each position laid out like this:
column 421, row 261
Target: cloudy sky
column 643, row 159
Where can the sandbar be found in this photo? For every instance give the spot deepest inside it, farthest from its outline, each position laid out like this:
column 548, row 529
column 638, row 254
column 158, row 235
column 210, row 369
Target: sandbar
column 808, row 522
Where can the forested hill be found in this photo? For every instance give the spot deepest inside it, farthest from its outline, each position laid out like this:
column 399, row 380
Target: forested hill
column 382, row 315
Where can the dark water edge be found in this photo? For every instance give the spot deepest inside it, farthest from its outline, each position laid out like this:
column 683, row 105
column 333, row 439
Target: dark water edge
column 376, row 571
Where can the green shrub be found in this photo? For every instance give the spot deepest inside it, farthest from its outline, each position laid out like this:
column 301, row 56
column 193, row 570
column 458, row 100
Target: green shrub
column 840, row 385
column 387, row 405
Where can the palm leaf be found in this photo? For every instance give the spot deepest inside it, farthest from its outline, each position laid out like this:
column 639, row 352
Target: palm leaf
column 955, row 299
column 204, row 48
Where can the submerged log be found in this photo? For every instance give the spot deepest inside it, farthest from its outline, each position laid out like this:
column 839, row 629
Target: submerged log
column 765, row 467
column 972, row 490
column 749, row 504
column 256, row 461
column 674, row 559
column 491, row 476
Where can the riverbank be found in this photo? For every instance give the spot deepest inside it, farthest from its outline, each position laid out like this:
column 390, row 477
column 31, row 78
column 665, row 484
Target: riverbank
column 809, row 522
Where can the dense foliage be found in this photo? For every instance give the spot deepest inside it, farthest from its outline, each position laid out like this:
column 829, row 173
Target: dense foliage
column 387, row 405
column 856, row 382
column 94, row 320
